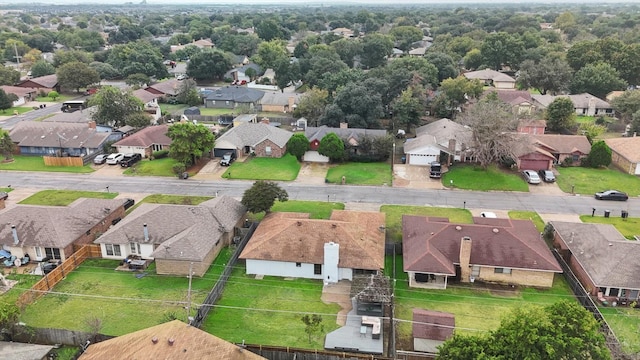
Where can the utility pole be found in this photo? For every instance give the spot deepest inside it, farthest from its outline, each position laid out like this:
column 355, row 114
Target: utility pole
column 18, row 57
column 189, row 293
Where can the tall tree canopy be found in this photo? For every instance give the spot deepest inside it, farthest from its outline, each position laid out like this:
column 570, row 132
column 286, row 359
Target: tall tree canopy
column 209, row 65
column 597, row 79
column 312, row 105
column 500, row 49
column 548, row 75
column 189, row 142
column 76, row 75
column 138, row 57
column 7, row 147
column 375, row 50
column 627, row 104
column 113, row 106
column 357, row 105
column 560, row 114
column 262, row 195
column 8, row 76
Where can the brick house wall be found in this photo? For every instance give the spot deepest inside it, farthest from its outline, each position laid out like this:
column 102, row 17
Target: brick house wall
column 181, row 267
column 276, row 151
column 274, row 108
column 622, row 163
column 517, row 277
column 93, row 233
column 575, row 266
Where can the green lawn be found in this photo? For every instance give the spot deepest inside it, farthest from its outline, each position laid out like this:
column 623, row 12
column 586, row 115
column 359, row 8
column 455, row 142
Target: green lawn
column 475, row 178
column 394, row 217
column 157, row 167
column 36, row 163
column 361, row 174
column 6, row 189
column 19, row 109
column 255, row 168
column 176, row 109
column 583, row 119
column 268, row 311
column 215, row 112
column 589, row 181
column 171, row 199
column 123, row 302
column 316, row 209
column 528, row 215
column 59, row 99
column 64, row 197
column 627, row 227
column 625, row 323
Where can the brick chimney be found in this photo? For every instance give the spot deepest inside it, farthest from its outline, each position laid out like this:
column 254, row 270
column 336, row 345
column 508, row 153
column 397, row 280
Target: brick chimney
column 344, row 125
column 291, row 103
column 465, row 257
column 92, row 124
column 264, row 121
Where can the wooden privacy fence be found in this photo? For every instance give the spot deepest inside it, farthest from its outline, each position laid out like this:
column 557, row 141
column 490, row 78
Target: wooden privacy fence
column 56, row 275
column 287, row 353
column 63, row 161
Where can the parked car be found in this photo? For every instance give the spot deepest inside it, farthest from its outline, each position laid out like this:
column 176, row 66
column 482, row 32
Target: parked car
column 100, row 159
column 181, row 77
column 4, row 195
column 435, row 172
column 531, row 177
column 130, row 159
column 129, row 203
column 114, row 159
column 228, row 158
column 547, row 176
column 611, row 195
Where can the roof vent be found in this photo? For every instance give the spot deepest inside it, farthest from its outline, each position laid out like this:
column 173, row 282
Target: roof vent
column 495, row 230
column 610, row 244
column 146, row 232
column 334, row 226
column 458, row 227
column 171, row 341
column 154, row 339
column 299, row 223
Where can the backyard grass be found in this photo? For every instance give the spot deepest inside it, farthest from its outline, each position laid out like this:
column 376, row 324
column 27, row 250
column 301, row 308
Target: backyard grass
column 528, row 215
column 215, row 112
column 254, row 168
column 583, row 119
column 361, row 174
column 59, row 99
column 36, row 163
column 269, row 311
column 628, row 227
column 589, row 181
column 64, row 197
column 625, row 323
column 123, row 302
column 394, row 217
column 176, row 109
column 13, row 110
column 157, row 167
column 475, row 178
column 316, row 209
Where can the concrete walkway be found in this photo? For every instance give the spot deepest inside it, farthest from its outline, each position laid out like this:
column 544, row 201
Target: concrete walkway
column 338, row 294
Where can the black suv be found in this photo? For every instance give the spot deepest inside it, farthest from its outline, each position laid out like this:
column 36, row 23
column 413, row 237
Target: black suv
column 130, row 159
column 228, row 158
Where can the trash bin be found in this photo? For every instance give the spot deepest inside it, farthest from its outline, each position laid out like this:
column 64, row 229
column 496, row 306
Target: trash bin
column 624, row 214
column 607, row 213
column 185, row 175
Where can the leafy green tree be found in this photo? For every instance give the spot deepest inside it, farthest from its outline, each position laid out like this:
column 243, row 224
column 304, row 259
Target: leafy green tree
column 62, row 57
column 599, row 156
column 409, row 107
column 106, row 71
column 312, row 105
column 7, row 147
column 76, row 75
column 358, row 105
column 270, row 53
column 635, row 122
column 180, row 39
column 42, row 68
column 9, row 313
column 53, row 95
column 8, row 76
column 447, row 68
column 627, row 104
column 6, row 100
column 262, row 195
column 473, row 59
column 185, row 88
column 548, row 75
column 591, row 130
column 113, row 106
column 332, row 147
column 456, row 92
column 269, row 30
column 138, row 57
column 347, row 49
column 375, row 50
column 312, row 324
column 209, row 65
column 297, row 145
column 502, row 48
column 138, row 119
column 137, row 80
column 404, row 36
column 189, row 142
column 560, row 114
column 11, row 46
column 597, row 79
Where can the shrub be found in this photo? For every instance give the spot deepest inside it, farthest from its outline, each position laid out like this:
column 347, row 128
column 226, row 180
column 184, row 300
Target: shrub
column 179, row 168
column 160, row 154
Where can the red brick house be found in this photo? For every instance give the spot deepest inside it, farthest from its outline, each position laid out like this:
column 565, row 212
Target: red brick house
column 45, row 83
column 145, row 141
column 261, row 139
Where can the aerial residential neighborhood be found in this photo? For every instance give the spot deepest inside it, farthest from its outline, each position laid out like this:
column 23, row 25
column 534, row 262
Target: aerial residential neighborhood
column 289, row 181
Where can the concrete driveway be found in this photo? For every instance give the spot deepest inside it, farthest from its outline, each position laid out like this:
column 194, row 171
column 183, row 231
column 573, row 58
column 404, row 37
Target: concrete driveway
column 546, row 189
column 312, row 173
column 105, row 170
column 414, row 177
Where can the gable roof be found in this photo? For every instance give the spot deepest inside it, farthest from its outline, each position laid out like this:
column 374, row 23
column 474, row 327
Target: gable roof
column 317, row 133
column 18, row 91
column 168, row 87
column 48, row 134
column 22, row 351
column 47, row 81
column 279, row 98
column 433, row 325
column 580, row 101
column 488, row 74
column 54, row 226
column 627, row 147
column 444, row 130
column 251, row 134
column 239, row 94
column 184, row 232
column 145, row 96
column 596, row 247
column 434, row 246
column 420, row 142
column 188, row 343
column 512, row 97
column 147, row 137
column 564, row 144
column 80, row 116
column 293, row 237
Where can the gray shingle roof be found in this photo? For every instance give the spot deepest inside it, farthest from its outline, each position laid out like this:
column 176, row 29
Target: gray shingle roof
column 251, row 134
column 279, row 98
column 313, row 133
column 47, row 134
column 444, row 130
column 239, row 94
column 147, row 137
column 182, row 232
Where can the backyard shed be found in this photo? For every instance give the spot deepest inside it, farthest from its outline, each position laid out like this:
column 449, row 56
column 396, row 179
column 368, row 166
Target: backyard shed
column 194, row 110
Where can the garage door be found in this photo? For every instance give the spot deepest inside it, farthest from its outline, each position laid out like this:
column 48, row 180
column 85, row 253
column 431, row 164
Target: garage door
column 637, row 169
column 534, row 165
column 220, row 152
column 421, row 159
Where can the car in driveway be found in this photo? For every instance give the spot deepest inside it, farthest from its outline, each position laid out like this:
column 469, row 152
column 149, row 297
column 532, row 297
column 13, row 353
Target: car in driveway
column 488, row 214
column 100, row 159
column 114, row 159
column 547, row 176
column 130, row 159
column 228, row 158
column 531, row 177
column 4, row 195
column 611, row 195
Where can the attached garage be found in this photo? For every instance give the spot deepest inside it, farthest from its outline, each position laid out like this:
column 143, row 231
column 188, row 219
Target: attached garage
column 422, row 150
column 422, row 159
column 535, row 161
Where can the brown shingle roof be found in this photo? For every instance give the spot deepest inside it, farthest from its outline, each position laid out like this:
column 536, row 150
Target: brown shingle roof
column 168, row 87
column 293, row 237
column 516, row 245
column 513, row 97
column 628, row 147
column 564, row 144
column 145, row 96
column 189, row 343
column 47, row 81
column 49, row 134
column 433, row 325
column 147, row 137
column 18, row 91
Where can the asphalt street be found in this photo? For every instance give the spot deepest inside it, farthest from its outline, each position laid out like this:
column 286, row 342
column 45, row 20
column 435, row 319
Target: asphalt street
column 30, row 116
column 549, row 204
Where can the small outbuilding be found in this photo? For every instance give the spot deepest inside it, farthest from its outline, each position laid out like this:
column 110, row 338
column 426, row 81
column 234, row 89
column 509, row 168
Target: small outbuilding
column 194, row 110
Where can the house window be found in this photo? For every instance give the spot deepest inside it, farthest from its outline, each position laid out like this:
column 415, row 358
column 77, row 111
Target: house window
column 226, row 102
column 298, row 264
column 267, row 150
column 53, row 253
column 112, row 250
column 576, row 157
column 502, row 271
column 317, row 269
column 38, row 252
column 135, row 248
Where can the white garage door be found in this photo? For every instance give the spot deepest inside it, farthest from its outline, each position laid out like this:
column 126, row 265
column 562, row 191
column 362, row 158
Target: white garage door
column 421, row 159
column 638, row 169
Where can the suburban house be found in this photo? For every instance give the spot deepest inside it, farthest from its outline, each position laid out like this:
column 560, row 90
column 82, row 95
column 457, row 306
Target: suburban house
column 276, row 101
column 520, row 100
column 240, row 73
column 260, row 139
column 230, row 97
column 503, row 251
column 167, row 88
column 563, row 147
column 592, row 251
column 625, row 153
column 146, row 141
column 85, row 116
column 24, row 94
column 201, row 44
column 50, row 139
column 54, row 231
column 530, row 156
column 175, row 236
column 293, row 245
column 150, row 101
column 492, row 78
column 431, row 329
column 244, row 119
column 43, row 83
column 350, row 136
column 612, row 95
column 171, row 340
column 532, row 127
column 584, row 104
column 441, row 136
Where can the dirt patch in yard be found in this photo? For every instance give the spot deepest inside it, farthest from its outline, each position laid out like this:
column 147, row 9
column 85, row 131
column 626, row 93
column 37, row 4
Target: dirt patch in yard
column 338, row 294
